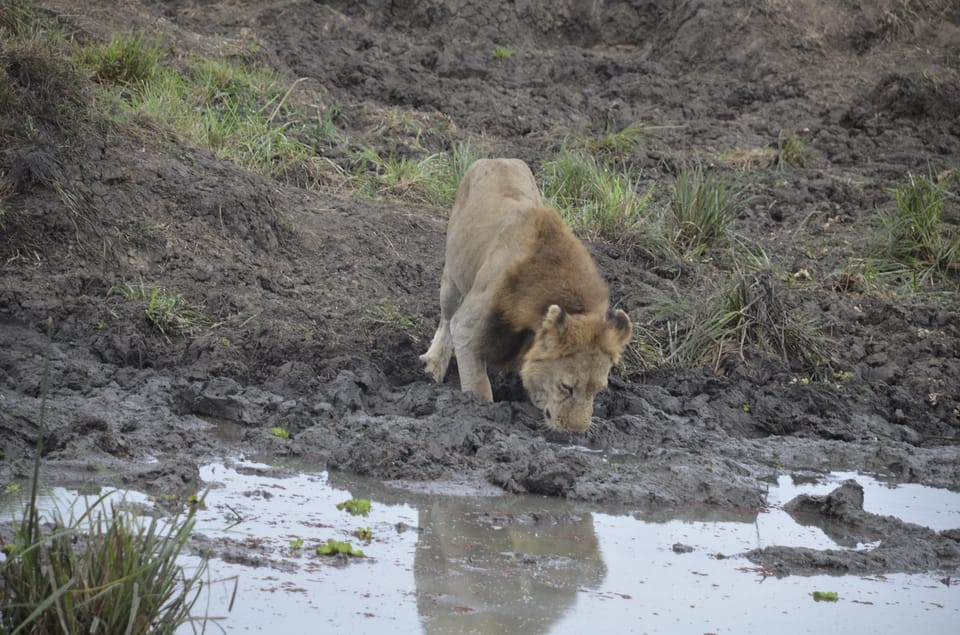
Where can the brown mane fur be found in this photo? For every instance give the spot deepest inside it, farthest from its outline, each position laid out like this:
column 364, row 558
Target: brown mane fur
column 557, row 270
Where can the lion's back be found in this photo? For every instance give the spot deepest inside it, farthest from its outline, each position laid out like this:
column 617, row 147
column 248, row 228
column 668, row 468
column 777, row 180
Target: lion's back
column 489, row 218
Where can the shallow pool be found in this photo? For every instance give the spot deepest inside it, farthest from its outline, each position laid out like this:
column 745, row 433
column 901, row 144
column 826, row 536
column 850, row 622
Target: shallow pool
column 481, row 563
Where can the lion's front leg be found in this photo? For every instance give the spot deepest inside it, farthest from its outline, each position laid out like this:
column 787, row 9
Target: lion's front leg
column 467, row 329
column 437, row 358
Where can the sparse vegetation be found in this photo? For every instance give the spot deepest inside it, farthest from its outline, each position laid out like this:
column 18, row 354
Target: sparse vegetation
column 502, row 52
column 620, row 144
column 429, row 180
column 746, row 159
column 747, row 312
column 597, row 199
column 280, row 433
column 238, row 111
column 401, row 177
column 643, row 352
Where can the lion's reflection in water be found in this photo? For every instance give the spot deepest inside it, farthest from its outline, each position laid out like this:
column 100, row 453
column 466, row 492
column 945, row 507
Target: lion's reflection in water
column 500, row 571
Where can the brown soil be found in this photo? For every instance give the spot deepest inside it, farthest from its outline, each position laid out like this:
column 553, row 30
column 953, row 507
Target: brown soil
column 286, row 276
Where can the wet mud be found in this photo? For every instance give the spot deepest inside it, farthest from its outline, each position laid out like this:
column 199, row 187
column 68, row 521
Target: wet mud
column 287, row 276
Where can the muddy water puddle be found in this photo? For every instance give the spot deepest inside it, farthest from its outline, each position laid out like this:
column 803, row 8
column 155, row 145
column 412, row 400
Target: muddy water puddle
column 453, row 559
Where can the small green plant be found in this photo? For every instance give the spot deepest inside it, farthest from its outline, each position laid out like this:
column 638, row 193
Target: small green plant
column 280, row 433
column 390, row 316
column 792, row 151
column 296, row 544
column 502, row 52
column 825, row 596
column 701, row 211
column 363, row 534
column 169, row 311
column 11, row 488
column 355, row 506
column 335, row 547
column 166, row 310
column 326, row 127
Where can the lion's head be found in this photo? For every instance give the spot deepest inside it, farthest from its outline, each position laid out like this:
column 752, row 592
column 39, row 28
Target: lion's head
column 569, row 361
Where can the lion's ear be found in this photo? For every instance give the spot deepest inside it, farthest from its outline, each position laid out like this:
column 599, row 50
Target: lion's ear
column 619, row 322
column 553, row 326
column 554, row 318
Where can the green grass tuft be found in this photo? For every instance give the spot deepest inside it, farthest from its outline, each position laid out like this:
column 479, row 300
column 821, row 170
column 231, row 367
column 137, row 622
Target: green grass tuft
column 238, row 111
column 701, row 211
column 128, row 59
column 595, row 198
column 106, row 571
column 430, row 180
column 915, row 244
column 502, row 52
column 167, row 310
column 621, row 144
column 792, row 151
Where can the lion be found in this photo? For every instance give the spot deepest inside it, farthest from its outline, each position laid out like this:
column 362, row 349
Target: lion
column 520, row 292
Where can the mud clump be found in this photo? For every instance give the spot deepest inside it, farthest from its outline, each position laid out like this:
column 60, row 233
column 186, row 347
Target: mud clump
column 875, row 543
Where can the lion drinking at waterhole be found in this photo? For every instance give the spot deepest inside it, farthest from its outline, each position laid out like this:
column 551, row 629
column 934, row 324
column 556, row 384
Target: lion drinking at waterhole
column 521, row 292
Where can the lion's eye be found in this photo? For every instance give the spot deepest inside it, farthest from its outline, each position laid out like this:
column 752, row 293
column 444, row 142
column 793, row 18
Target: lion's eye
column 566, row 389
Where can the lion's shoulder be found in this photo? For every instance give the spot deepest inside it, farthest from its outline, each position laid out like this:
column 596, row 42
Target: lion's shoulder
column 553, row 267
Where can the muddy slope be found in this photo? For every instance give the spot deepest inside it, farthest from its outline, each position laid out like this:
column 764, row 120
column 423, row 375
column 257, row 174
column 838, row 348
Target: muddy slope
column 286, row 278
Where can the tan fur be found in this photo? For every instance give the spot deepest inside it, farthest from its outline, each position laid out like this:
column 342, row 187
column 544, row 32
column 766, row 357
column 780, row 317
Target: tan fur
column 520, row 291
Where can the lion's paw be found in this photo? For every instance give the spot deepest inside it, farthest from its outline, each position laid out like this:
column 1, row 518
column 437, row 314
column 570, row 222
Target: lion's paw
column 434, row 367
